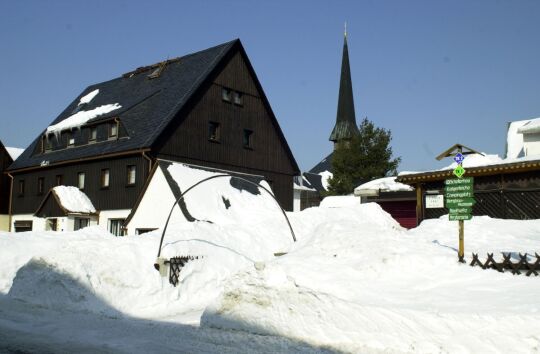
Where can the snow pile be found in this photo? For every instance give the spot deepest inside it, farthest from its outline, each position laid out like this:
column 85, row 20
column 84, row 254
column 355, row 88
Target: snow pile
column 325, row 176
column 514, row 140
column 81, row 117
column 14, row 152
column 339, row 201
column 355, row 281
column 219, row 201
column 358, row 285
column 74, row 200
column 386, row 184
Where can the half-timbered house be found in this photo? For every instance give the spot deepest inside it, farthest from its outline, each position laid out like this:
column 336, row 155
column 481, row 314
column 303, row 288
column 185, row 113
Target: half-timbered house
column 207, row 108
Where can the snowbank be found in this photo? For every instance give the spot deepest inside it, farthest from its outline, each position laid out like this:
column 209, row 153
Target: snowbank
column 325, row 176
column 73, row 200
column 339, row 201
column 355, row 281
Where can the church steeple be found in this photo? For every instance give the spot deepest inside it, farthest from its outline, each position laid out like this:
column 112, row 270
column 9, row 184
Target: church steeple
column 345, row 127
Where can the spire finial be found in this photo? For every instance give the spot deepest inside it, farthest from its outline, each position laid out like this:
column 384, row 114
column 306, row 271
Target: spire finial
column 345, row 32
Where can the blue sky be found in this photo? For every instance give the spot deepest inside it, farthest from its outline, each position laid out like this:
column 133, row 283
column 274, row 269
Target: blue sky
column 433, row 72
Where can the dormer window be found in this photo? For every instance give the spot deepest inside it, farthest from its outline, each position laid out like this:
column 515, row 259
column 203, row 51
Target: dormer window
column 93, row 134
column 113, row 130
column 238, row 98
column 157, row 71
column 226, row 94
column 70, row 140
column 46, row 144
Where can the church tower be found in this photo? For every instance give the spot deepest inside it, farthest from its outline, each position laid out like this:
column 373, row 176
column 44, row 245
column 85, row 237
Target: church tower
column 345, row 127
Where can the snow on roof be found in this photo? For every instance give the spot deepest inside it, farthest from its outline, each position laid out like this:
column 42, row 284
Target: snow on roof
column 475, row 160
column 340, row 201
column 325, row 176
column 302, row 188
column 386, row 184
column 89, row 97
column 14, row 152
column 514, row 140
column 73, row 200
column 82, row 117
column 532, row 126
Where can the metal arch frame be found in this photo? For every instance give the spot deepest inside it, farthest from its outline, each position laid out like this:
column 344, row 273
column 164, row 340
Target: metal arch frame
column 210, row 178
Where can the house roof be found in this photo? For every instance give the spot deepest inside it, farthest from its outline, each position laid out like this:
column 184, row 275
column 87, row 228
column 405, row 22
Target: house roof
column 324, row 165
column 70, row 199
column 148, row 106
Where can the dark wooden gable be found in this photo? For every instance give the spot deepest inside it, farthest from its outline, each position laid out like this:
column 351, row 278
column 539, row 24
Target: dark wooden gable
column 5, row 161
column 188, row 136
column 50, row 207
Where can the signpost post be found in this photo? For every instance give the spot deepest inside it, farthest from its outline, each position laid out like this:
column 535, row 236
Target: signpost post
column 459, row 192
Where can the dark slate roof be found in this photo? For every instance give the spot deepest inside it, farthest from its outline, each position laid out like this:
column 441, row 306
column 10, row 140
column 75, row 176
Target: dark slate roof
column 345, row 126
column 315, row 181
column 148, row 106
column 324, row 165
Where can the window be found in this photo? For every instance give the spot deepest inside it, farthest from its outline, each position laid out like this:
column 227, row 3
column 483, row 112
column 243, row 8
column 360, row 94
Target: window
column 105, row 178
column 22, row 225
column 226, row 94
column 213, row 131
column 93, row 134
column 40, row 185
column 80, row 180
column 21, row 187
column 131, row 172
column 51, row 224
column 238, row 99
column 70, row 139
column 58, row 180
column 115, row 226
column 47, row 143
column 113, row 130
column 80, row 223
column 248, row 140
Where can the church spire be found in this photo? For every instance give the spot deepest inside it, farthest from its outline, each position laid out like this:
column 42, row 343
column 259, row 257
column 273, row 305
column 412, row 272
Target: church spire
column 345, row 126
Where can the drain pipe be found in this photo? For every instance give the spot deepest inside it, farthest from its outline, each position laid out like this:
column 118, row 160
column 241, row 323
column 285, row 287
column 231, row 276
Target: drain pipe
column 149, row 161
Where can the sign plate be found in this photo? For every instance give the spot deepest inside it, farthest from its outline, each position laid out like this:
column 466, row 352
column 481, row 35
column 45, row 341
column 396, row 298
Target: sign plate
column 459, row 158
column 459, row 171
column 459, row 188
column 434, row 201
column 459, row 195
column 459, row 211
column 459, row 181
column 457, row 217
column 460, row 202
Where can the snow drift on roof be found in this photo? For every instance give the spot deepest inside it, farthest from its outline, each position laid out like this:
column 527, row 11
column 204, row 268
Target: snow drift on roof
column 532, row 126
column 476, row 160
column 89, row 97
column 340, row 201
column 325, row 176
column 73, row 200
column 386, row 184
column 514, row 140
column 14, row 152
column 82, row 117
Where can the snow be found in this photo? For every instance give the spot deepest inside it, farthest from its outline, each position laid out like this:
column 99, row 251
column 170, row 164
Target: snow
column 476, row 160
column 531, row 127
column 354, row 282
column 81, row 117
column 74, row 200
column 386, row 184
column 339, row 201
column 303, row 188
column 325, row 176
column 514, row 140
column 14, row 152
column 89, row 97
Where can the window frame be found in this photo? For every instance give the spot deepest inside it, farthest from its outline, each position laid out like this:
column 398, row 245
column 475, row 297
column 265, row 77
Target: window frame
column 79, row 174
column 131, row 170
column 226, row 94
column 70, row 141
column 59, row 179
column 214, row 131
column 41, row 185
column 247, row 135
column 21, row 188
column 92, row 138
column 238, row 98
column 77, row 223
column 111, row 127
column 105, row 172
column 119, row 223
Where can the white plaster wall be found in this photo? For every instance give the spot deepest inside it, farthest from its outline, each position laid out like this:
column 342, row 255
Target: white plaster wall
column 531, row 144
column 155, row 206
column 38, row 224
column 105, row 215
column 296, row 200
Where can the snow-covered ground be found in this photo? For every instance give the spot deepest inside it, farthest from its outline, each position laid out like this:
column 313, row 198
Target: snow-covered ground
column 354, row 282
